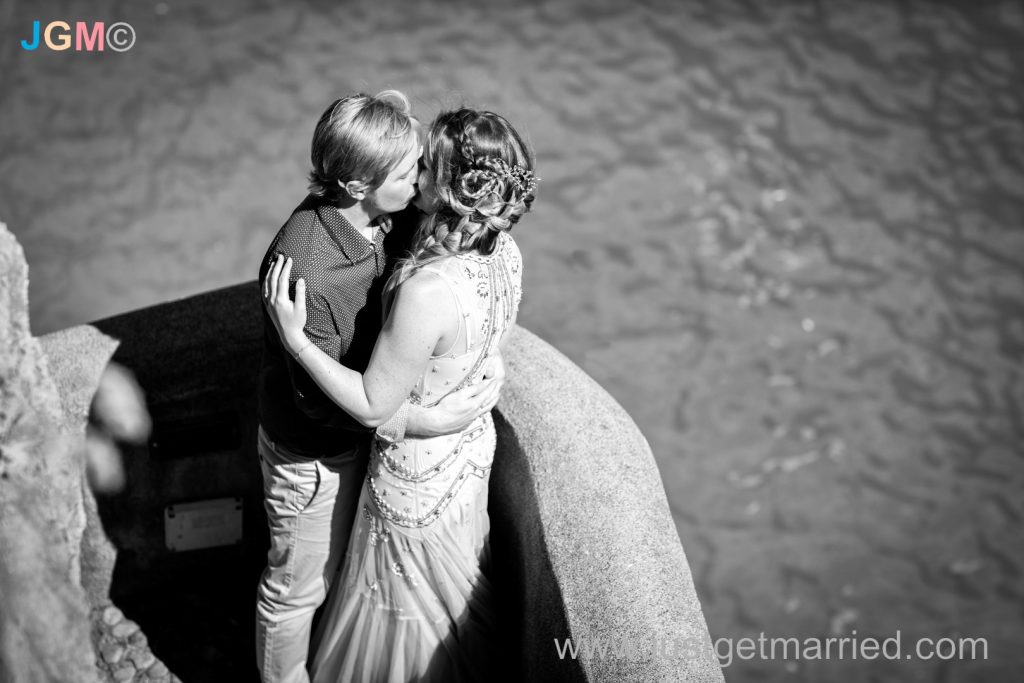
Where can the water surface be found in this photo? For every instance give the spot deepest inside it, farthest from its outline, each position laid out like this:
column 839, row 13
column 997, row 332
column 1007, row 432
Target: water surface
column 788, row 237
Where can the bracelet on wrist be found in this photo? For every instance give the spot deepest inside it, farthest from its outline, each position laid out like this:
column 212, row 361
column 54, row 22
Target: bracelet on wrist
column 299, row 352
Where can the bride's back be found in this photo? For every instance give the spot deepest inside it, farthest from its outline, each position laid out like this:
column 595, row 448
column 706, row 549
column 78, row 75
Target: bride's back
column 486, row 291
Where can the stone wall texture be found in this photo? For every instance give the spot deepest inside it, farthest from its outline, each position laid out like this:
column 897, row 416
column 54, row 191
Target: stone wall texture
column 588, row 513
column 56, row 561
column 44, row 623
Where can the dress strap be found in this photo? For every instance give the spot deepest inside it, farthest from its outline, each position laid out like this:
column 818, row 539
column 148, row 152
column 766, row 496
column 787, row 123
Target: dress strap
column 458, row 307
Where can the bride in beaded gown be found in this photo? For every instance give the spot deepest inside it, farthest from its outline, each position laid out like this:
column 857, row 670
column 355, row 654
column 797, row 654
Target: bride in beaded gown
column 415, row 574
column 412, row 600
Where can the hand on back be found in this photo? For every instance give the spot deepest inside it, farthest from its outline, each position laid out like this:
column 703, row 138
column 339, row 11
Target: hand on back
column 288, row 316
column 457, row 411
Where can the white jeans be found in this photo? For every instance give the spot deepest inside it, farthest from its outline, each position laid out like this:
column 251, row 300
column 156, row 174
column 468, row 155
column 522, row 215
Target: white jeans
column 310, row 510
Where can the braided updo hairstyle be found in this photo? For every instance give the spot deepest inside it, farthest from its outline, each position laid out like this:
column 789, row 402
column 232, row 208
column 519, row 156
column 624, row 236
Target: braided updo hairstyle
column 481, row 171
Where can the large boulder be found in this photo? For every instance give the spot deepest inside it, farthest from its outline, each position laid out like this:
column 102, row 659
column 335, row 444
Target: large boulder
column 44, row 623
column 56, row 562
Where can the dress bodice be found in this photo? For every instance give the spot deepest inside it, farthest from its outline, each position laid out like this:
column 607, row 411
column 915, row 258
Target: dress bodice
column 486, row 290
column 414, row 480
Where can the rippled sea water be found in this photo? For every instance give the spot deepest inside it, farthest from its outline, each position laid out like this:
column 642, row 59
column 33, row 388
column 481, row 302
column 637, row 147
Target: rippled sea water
column 788, row 237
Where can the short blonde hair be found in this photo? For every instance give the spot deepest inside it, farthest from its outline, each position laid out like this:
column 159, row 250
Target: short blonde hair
column 360, row 138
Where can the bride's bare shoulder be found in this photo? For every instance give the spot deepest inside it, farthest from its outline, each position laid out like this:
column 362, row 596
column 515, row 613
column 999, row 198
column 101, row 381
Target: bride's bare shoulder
column 424, row 287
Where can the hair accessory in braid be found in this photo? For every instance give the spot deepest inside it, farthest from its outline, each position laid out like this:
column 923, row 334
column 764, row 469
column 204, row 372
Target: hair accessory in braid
column 522, row 178
column 486, row 179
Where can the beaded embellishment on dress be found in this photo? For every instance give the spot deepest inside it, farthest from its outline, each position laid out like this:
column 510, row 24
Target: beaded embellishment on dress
column 487, row 290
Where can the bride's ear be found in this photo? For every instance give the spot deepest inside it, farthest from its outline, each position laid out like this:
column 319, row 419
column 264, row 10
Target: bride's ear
column 356, row 189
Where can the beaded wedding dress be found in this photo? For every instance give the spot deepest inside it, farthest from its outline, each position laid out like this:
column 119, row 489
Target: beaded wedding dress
column 412, row 600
